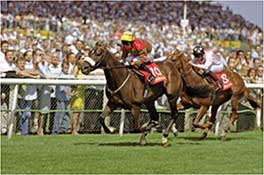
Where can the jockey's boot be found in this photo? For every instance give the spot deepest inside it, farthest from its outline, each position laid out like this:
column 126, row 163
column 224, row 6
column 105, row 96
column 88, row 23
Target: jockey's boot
column 219, row 85
column 218, row 82
column 145, row 68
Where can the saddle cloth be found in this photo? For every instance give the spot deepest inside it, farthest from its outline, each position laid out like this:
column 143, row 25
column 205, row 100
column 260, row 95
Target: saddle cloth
column 227, row 84
column 154, row 68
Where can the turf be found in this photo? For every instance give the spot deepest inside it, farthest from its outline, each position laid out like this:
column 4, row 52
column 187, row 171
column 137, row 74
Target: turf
column 112, row 154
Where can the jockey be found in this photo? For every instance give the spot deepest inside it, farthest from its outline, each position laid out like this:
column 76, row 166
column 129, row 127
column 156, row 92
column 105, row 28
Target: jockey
column 138, row 50
column 209, row 62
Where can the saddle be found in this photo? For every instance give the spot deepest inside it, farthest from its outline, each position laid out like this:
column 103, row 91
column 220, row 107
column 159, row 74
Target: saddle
column 155, row 70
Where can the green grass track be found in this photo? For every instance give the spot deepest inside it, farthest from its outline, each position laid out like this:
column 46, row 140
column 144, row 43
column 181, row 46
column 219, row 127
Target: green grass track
column 242, row 153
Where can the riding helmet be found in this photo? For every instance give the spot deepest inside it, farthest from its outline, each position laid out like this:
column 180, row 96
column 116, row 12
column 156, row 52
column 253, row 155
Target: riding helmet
column 127, row 36
column 198, row 51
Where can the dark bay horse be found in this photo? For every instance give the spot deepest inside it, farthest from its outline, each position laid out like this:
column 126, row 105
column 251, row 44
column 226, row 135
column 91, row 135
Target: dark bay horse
column 197, row 92
column 126, row 90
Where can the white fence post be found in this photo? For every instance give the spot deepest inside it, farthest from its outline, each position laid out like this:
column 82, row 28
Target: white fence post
column 12, row 115
column 122, row 122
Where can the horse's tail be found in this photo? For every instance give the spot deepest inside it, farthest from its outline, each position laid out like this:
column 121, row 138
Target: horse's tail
column 252, row 99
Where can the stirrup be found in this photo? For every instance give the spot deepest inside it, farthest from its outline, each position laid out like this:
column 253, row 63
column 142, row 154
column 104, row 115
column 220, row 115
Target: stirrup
column 151, row 78
column 219, row 87
column 217, row 90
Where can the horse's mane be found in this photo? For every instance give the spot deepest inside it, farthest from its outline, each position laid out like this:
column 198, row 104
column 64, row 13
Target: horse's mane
column 108, row 54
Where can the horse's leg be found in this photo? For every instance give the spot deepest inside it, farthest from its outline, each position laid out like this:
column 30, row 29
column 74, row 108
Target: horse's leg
column 234, row 106
column 105, row 118
column 209, row 124
column 203, row 109
column 153, row 121
column 135, row 111
column 154, row 116
column 174, row 115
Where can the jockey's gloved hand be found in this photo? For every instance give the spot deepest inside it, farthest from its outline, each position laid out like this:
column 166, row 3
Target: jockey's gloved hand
column 207, row 72
column 128, row 65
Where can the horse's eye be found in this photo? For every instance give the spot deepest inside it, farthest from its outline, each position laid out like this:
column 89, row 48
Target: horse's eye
column 99, row 51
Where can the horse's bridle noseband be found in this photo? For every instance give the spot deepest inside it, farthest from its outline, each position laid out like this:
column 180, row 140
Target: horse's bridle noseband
column 94, row 65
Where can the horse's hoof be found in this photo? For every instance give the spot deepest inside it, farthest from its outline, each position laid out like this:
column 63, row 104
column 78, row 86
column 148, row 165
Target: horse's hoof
column 164, row 141
column 143, row 140
column 166, row 145
column 175, row 134
column 233, row 120
column 144, row 126
column 174, row 131
column 204, row 136
column 111, row 129
column 223, row 138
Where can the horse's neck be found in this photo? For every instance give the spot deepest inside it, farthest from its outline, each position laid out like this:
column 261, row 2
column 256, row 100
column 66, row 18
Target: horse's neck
column 191, row 77
column 115, row 75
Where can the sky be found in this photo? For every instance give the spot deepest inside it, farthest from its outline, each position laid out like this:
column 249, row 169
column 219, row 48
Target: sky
column 250, row 10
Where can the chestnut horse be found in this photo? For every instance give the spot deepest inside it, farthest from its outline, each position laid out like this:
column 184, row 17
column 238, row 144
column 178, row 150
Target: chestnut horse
column 125, row 89
column 198, row 92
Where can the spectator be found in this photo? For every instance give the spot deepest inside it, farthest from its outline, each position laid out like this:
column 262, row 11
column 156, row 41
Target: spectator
column 7, row 66
column 259, row 75
column 29, row 59
column 22, row 72
column 25, row 103
column 77, row 101
column 44, row 90
column 63, row 95
column 232, row 64
column 4, row 48
column 257, row 63
column 256, row 52
column 55, row 70
column 79, row 46
column 251, row 75
column 4, row 114
column 71, row 58
column 239, row 58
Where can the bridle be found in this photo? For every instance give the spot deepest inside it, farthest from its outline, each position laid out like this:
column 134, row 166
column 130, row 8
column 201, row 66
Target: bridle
column 95, row 65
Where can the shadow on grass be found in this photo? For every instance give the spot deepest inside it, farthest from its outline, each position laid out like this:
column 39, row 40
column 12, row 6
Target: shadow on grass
column 119, row 144
column 198, row 139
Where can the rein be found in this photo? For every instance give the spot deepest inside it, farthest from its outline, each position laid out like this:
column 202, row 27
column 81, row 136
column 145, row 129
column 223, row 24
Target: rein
column 96, row 65
column 113, row 67
column 124, row 82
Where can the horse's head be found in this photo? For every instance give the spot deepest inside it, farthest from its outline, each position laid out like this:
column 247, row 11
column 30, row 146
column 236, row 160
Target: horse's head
column 179, row 60
column 94, row 60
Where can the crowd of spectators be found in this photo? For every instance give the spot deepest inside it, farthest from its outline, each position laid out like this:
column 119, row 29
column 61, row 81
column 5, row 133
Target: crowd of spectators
column 73, row 27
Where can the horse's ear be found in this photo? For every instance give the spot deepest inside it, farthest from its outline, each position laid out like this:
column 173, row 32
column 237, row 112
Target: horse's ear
column 173, row 57
column 99, row 51
column 188, row 58
column 180, row 54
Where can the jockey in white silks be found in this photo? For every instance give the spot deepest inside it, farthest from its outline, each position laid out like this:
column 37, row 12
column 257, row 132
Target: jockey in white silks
column 209, row 62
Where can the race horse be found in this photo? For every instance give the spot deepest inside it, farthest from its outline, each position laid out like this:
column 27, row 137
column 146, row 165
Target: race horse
column 126, row 89
column 199, row 93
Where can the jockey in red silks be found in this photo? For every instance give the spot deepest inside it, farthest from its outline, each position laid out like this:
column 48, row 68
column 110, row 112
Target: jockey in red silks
column 209, row 62
column 138, row 50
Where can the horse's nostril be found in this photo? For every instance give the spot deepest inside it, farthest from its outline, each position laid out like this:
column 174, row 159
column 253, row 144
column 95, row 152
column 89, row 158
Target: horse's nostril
column 85, row 69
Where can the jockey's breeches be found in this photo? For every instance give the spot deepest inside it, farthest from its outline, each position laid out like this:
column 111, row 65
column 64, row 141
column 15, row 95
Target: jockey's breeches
column 217, row 68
